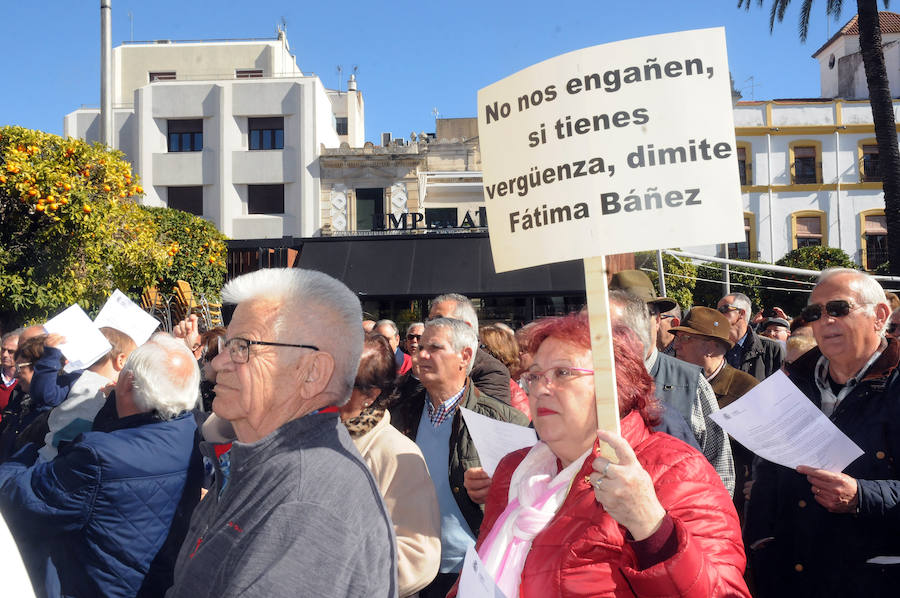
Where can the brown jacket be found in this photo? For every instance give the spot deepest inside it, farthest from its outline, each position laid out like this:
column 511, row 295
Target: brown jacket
column 730, row 384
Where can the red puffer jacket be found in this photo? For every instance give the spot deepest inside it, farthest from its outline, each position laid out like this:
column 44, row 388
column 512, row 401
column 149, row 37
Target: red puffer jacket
column 583, row 551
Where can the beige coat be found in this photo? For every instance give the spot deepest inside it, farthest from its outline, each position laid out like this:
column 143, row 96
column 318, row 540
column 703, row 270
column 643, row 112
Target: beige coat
column 402, row 476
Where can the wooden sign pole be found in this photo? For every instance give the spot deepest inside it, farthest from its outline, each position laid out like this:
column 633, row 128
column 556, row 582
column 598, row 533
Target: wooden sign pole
column 602, row 349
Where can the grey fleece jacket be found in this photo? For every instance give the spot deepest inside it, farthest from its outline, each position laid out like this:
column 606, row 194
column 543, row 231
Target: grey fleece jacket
column 300, row 515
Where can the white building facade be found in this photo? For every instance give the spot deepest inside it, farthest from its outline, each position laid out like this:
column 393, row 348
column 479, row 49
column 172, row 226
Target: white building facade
column 230, row 130
column 809, row 167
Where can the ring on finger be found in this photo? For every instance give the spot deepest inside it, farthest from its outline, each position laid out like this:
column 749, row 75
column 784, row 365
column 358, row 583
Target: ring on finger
column 596, row 483
column 605, row 469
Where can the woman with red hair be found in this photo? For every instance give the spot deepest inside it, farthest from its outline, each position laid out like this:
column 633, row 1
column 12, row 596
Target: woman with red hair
column 562, row 521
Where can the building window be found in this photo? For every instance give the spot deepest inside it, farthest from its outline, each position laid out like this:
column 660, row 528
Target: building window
column 370, row 209
column 805, row 165
column 267, row 133
column 808, row 229
column 744, row 250
column 248, row 74
column 440, row 217
column 265, row 199
column 874, row 238
column 186, row 199
column 185, row 135
column 162, row 76
column 744, row 162
column 340, row 124
column 869, row 164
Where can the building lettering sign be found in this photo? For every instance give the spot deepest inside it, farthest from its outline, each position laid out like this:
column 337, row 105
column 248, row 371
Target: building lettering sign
column 417, row 221
column 622, row 147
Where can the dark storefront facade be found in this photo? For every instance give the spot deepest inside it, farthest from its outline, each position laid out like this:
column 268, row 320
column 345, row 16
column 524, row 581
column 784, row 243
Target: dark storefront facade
column 396, row 274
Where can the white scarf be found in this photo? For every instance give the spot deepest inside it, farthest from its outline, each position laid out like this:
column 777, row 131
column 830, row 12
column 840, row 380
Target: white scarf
column 536, row 493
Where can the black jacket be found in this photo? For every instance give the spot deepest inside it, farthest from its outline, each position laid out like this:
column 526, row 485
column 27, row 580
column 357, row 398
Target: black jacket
column 761, row 356
column 406, row 414
column 817, row 553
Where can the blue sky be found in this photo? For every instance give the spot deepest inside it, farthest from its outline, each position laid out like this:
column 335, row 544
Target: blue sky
column 412, row 57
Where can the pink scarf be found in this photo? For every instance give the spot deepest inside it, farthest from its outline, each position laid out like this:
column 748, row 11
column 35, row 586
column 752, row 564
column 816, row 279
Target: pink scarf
column 536, row 492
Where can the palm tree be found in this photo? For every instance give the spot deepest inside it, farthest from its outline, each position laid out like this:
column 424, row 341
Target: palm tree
column 879, row 99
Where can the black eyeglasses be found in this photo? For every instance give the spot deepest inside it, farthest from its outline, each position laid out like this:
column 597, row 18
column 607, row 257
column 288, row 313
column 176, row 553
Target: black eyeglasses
column 239, row 348
column 724, row 309
column 409, row 337
column 836, row 309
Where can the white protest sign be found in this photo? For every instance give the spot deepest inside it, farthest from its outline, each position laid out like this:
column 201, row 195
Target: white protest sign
column 622, row 147
column 84, row 343
column 126, row 316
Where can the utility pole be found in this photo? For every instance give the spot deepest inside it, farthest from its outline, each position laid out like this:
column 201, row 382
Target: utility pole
column 106, row 113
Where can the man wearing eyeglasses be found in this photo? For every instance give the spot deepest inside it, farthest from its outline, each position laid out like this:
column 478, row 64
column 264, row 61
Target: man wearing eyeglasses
column 294, row 510
column 757, row 356
column 813, row 530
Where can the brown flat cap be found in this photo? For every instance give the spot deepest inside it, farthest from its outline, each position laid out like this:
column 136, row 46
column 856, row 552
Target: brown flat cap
column 705, row 321
column 639, row 284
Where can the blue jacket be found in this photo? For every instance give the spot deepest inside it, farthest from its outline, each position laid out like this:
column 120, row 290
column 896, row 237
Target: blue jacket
column 49, row 384
column 90, row 522
column 817, row 553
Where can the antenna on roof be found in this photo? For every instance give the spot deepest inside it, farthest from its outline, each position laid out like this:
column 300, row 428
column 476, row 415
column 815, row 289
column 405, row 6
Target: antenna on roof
column 131, row 22
column 340, row 72
column 435, row 112
column 753, row 85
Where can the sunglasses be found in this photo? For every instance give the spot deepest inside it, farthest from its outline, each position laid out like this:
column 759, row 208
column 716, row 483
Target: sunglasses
column 727, row 308
column 836, row 309
column 409, row 337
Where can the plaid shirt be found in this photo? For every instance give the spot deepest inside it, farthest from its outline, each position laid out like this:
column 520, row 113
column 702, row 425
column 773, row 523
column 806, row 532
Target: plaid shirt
column 439, row 415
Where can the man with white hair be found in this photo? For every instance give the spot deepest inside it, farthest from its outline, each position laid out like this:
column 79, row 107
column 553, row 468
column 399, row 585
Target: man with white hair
column 488, row 373
column 758, row 356
column 92, row 521
column 294, row 510
column 433, row 420
column 813, row 532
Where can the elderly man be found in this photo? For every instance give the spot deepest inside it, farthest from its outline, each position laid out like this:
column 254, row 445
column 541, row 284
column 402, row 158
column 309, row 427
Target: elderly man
column 413, row 334
column 680, row 386
column 777, row 329
column 664, row 311
column 488, row 373
column 294, row 510
column 702, row 340
column 757, row 356
column 812, row 531
column 8, row 344
column 665, row 322
column 433, row 420
column 92, row 521
column 388, row 329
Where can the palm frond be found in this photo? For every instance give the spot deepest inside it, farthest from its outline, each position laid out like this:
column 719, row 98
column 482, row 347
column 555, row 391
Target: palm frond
column 805, row 9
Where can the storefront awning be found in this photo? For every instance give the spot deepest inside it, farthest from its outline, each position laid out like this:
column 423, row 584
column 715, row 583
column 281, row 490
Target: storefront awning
column 418, row 265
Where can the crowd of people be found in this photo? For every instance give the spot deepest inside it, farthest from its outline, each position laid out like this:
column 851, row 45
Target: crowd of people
column 305, row 451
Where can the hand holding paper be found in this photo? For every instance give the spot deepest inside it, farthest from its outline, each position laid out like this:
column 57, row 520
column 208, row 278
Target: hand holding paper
column 779, row 423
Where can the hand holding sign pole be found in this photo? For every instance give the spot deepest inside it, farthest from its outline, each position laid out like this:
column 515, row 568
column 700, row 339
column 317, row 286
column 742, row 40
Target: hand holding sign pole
column 622, row 147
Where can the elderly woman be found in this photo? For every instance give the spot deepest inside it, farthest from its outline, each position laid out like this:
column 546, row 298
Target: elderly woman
column 561, row 521
column 499, row 341
column 398, row 467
